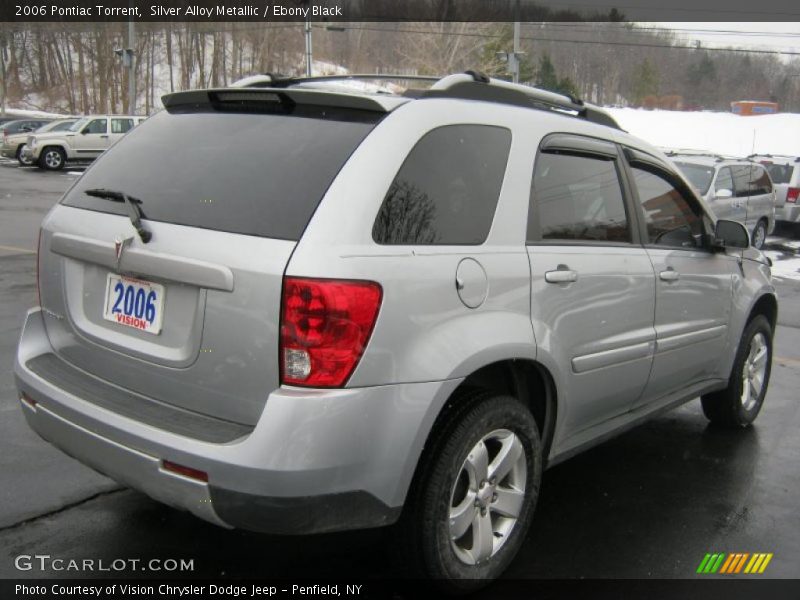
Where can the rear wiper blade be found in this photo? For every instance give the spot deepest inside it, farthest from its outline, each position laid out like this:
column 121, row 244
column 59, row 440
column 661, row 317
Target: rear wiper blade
column 132, row 204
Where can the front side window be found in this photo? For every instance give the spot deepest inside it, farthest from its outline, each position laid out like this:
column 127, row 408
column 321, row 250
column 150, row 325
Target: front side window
column 576, row 197
column 96, row 126
column 671, row 218
column 447, row 190
column 724, row 180
column 699, row 176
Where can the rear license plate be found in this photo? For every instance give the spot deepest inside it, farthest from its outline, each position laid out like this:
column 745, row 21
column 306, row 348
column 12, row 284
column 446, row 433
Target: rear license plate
column 134, row 303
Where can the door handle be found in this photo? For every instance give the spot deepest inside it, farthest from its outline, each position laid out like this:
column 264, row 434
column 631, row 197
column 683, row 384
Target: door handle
column 561, row 275
column 104, row 136
column 669, row 275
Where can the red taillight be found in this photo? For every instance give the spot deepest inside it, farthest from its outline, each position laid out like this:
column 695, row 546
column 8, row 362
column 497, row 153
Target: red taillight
column 38, row 256
column 791, row 194
column 325, row 326
column 185, row 471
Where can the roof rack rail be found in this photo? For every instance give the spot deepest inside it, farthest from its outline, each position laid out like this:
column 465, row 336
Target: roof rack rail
column 794, row 156
column 691, row 152
column 276, row 80
column 473, row 85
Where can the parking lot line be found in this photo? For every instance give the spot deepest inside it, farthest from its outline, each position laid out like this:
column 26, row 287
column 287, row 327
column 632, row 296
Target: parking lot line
column 17, row 249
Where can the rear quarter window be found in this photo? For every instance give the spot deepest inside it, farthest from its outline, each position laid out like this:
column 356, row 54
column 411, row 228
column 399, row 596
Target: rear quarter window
column 447, row 189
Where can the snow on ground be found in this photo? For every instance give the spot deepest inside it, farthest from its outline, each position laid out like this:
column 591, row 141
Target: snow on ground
column 21, row 113
column 782, row 267
column 718, row 132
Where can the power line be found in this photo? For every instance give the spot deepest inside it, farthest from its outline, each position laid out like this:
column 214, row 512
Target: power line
column 599, row 42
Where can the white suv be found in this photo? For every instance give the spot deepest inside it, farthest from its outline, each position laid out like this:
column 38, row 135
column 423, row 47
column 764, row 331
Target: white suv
column 785, row 173
column 85, row 140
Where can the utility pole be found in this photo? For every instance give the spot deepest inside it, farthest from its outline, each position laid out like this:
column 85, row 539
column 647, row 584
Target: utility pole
column 513, row 63
column 127, row 56
column 130, row 50
column 309, row 54
column 512, row 59
column 3, row 74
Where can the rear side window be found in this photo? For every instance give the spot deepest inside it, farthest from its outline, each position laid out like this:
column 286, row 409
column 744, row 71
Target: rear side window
column 446, row 192
column 577, row 198
column 249, row 173
column 759, row 181
column 121, row 125
column 780, row 173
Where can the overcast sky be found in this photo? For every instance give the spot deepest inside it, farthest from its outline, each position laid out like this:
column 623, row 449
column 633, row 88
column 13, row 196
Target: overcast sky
column 761, row 36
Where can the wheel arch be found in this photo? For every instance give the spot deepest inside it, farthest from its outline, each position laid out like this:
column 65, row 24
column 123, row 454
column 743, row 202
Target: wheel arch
column 767, row 305
column 527, row 380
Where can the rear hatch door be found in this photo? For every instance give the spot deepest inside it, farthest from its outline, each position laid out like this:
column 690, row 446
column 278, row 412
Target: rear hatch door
column 225, row 190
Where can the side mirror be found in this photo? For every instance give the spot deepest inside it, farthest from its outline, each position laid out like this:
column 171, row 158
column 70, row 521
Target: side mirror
column 26, row 129
column 730, row 234
column 723, row 194
column 85, row 131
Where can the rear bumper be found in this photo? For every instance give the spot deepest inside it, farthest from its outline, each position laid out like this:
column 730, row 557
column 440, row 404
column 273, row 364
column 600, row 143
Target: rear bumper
column 788, row 212
column 316, row 461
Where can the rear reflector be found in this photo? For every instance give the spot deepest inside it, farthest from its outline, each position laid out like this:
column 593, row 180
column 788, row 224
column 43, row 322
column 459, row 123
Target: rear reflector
column 791, row 194
column 185, row 471
column 325, row 326
column 28, row 400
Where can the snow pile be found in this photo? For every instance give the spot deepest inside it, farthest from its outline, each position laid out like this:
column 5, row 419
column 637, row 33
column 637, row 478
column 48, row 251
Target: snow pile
column 20, row 113
column 718, row 132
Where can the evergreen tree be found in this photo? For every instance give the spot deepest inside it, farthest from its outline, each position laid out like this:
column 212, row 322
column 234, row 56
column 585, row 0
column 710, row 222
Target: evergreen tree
column 546, row 77
column 645, row 81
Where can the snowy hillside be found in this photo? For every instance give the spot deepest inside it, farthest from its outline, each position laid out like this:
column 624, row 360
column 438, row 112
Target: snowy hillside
column 722, row 133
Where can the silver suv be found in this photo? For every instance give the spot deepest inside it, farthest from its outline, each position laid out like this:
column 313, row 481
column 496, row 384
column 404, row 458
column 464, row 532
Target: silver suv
column 294, row 310
column 735, row 189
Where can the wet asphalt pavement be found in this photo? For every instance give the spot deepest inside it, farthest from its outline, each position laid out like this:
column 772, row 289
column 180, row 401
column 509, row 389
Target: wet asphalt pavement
column 648, row 504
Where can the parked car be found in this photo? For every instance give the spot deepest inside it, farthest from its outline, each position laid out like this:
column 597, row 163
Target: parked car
column 85, row 140
column 18, row 126
column 735, row 189
column 296, row 310
column 785, row 174
column 14, row 145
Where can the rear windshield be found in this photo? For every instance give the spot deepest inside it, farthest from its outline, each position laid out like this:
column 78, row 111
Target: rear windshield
column 699, row 176
column 249, row 173
column 779, row 173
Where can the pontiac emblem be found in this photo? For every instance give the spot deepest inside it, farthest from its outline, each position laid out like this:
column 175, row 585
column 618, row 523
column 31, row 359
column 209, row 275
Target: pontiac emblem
column 119, row 248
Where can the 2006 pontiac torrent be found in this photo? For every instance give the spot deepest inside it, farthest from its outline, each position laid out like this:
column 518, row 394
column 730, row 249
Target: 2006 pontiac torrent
column 294, row 308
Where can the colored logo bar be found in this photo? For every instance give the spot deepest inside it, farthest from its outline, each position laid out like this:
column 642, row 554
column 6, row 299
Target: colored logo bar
column 735, row 563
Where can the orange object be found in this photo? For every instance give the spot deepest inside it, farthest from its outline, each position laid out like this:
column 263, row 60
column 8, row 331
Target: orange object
column 749, row 108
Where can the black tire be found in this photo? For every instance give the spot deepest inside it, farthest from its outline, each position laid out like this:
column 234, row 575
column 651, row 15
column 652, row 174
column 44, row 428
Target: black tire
column 52, row 158
column 760, row 234
column 424, row 529
column 728, row 407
